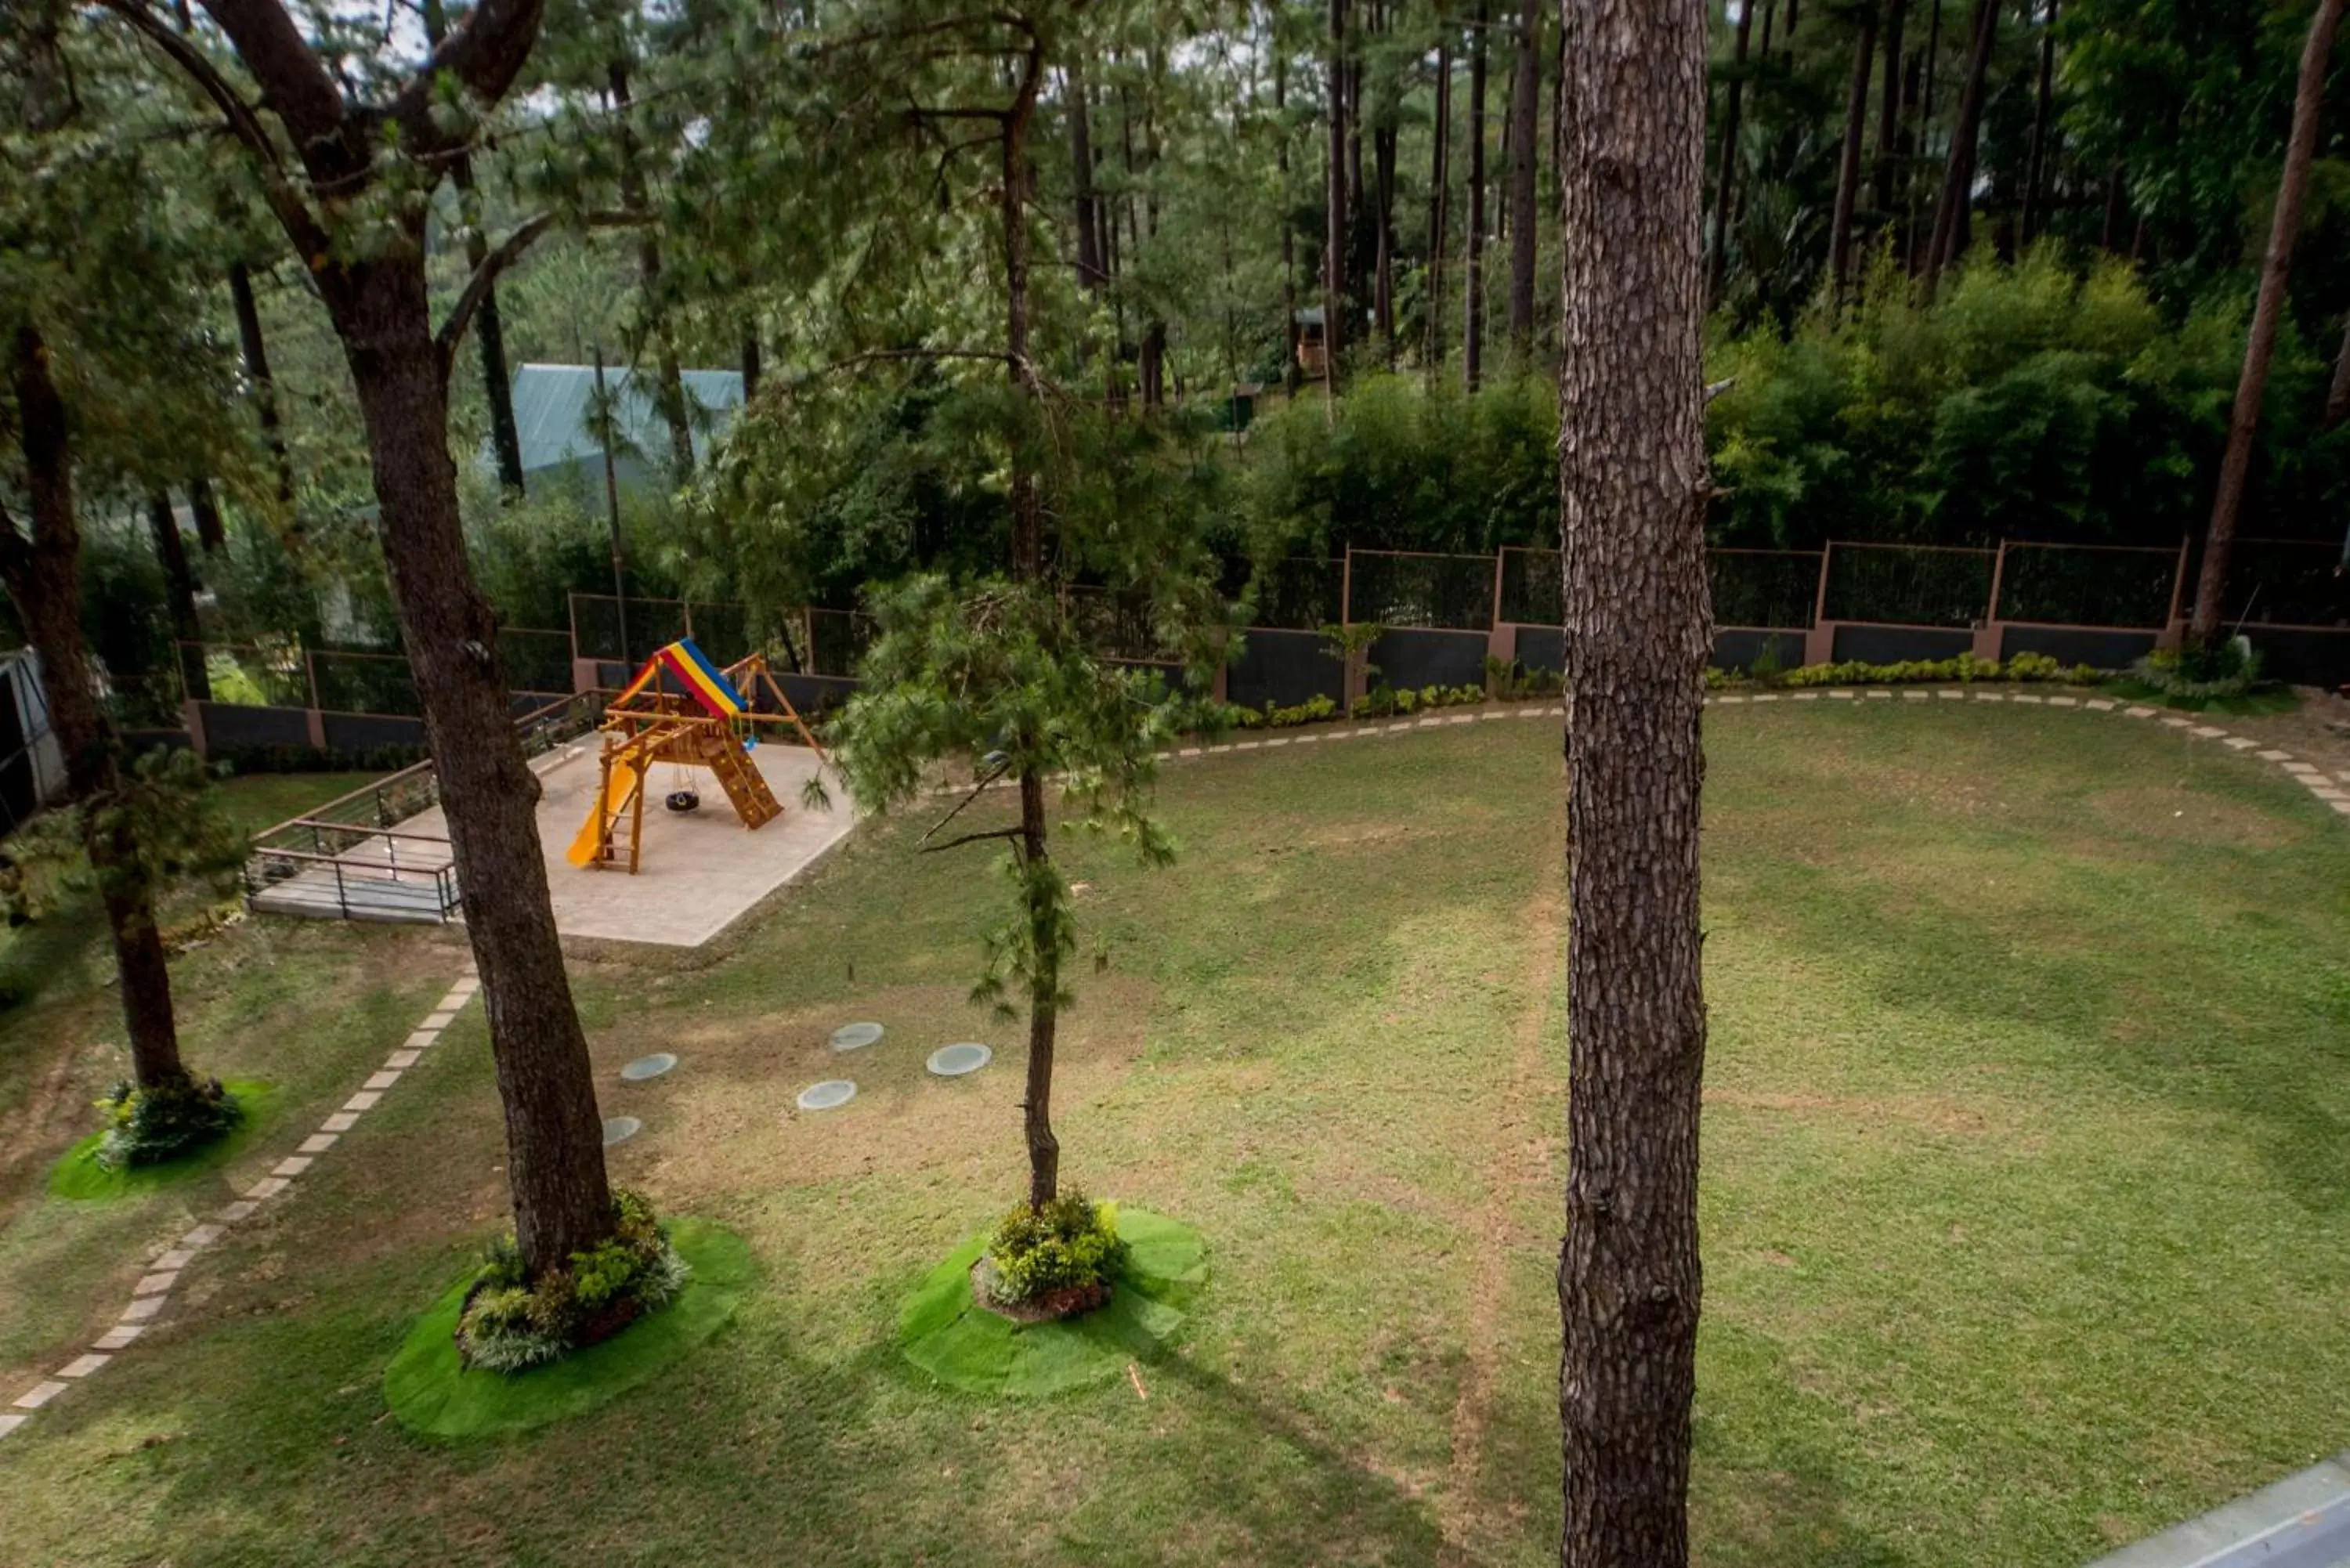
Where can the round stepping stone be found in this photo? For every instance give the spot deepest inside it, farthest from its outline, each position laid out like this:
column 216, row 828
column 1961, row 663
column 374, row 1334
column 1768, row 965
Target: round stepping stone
column 827, row 1095
column 620, row 1129
column 856, row 1036
column 954, row 1061
column 644, row 1067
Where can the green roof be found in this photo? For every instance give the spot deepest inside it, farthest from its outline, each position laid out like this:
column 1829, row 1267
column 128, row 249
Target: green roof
column 551, row 404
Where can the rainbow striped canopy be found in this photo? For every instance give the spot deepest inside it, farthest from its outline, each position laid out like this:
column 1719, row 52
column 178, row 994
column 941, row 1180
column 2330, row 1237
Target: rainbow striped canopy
column 693, row 669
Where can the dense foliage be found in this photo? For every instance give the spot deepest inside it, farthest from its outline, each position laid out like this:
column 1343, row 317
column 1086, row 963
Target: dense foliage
column 151, row 1125
column 1060, row 1258
column 511, row 1323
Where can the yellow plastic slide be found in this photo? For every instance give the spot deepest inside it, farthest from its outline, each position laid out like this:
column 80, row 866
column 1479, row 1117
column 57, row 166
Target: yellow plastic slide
column 620, row 786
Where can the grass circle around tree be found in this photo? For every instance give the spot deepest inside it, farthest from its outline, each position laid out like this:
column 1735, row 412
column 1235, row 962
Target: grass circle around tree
column 945, row 1331
column 84, row 1176
column 432, row 1393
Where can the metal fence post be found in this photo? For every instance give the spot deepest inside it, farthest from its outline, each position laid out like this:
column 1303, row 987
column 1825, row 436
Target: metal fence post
column 1819, row 644
column 1346, row 588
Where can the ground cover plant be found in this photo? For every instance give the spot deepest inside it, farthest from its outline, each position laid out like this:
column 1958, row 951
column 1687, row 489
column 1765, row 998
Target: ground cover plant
column 2024, row 1211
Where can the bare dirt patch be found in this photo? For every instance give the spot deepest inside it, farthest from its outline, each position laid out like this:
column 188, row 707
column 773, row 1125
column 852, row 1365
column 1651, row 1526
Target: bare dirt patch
column 2184, row 815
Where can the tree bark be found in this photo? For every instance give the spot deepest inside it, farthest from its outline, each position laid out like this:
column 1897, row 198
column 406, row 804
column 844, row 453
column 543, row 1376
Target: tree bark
column 210, row 532
column 2337, row 396
column 1440, row 195
column 750, row 356
column 179, row 586
column 668, row 381
column 2116, row 203
column 1525, row 101
column 489, row 327
column 1855, row 130
column 555, row 1146
column 1888, row 109
column 2044, row 126
column 1633, row 485
column 2267, row 312
column 1473, row 326
column 1081, row 163
column 1292, row 373
column 1383, row 140
column 253, row 351
column 1726, row 171
column 1951, row 216
column 1044, row 1007
column 1334, row 240
column 43, row 574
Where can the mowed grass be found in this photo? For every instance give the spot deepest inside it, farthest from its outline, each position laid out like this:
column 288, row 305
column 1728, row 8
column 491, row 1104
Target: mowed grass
column 2024, row 1201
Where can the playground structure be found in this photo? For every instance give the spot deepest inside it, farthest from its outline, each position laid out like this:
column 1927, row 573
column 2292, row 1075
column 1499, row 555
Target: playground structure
column 707, row 722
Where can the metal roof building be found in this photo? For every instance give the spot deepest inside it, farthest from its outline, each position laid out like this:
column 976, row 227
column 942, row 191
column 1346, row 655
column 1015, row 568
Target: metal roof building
column 551, row 404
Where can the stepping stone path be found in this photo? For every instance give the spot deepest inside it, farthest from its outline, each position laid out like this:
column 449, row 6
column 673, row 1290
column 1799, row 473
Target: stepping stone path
column 954, row 1061
column 830, row 1094
column 153, row 1295
column 644, row 1067
column 620, row 1129
column 856, row 1037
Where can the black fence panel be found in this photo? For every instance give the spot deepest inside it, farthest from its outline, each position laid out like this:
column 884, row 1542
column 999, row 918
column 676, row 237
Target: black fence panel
column 836, row 641
column 2304, row 658
column 2068, row 586
column 2287, row 582
column 1284, row 668
column 1898, row 644
column 1764, row 589
column 2100, row 648
column 228, row 725
column 1431, row 592
column 366, row 732
column 1541, row 648
column 1742, row 648
column 1910, row 585
column 1416, row 658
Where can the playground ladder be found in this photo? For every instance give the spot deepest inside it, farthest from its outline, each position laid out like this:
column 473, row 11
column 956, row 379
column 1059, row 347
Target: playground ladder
column 740, row 778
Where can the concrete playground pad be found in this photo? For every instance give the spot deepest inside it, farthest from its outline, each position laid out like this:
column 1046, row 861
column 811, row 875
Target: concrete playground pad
column 698, row 872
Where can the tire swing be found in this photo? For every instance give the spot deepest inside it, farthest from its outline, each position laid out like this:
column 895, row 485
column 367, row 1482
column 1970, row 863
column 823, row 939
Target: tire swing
column 682, row 796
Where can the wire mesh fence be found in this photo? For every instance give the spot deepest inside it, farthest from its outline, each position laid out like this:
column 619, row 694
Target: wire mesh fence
column 2287, row 582
column 1452, row 593
column 1114, row 625
column 837, row 639
column 536, row 661
column 1295, row 593
column 346, row 682
column 2087, row 585
column 628, row 631
column 1763, row 590
column 1908, row 585
column 1533, row 591
column 252, row 675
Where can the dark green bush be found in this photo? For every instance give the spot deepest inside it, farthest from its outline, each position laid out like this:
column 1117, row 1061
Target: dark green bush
column 1070, row 1246
column 148, row 1127
column 2230, row 668
column 512, row 1324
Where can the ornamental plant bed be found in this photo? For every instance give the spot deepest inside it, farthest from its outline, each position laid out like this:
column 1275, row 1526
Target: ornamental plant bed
column 1051, row 1306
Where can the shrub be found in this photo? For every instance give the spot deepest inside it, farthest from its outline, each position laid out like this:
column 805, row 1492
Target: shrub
column 1064, row 1254
column 512, row 1324
column 2227, row 669
column 147, row 1127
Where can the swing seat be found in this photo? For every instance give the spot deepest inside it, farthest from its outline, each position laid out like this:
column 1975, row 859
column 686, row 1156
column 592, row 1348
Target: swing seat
column 683, row 800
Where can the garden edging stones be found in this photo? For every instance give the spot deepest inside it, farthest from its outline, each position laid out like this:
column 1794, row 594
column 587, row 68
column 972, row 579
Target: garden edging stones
column 153, row 1291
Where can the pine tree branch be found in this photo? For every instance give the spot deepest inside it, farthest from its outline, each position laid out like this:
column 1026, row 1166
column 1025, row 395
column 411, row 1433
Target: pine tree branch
column 485, row 275
column 286, row 204
column 961, row 839
column 484, row 53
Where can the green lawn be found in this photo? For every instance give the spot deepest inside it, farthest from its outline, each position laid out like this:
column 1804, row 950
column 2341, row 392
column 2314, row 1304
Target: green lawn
column 263, row 800
column 2027, row 1158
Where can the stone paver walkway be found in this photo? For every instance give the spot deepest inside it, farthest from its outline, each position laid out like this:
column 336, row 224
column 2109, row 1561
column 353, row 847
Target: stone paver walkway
column 153, row 1295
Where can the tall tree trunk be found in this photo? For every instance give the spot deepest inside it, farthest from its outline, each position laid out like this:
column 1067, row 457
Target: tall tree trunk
column 2117, row 205
column 1028, row 566
column 750, row 356
column 1951, row 217
column 2337, row 396
column 1888, row 110
column 1334, row 242
column 554, row 1142
column 1926, row 65
column 2044, row 126
column 1081, row 164
column 1633, row 488
column 489, row 326
column 209, row 531
column 2267, row 311
column 1855, row 130
column 1473, row 326
column 1526, row 104
column 43, row 574
column 1291, row 372
column 253, row 351
column 1383, row 185
column 1726, row 170
column 668, row 381
column 179, row 587
column 1440, row 197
